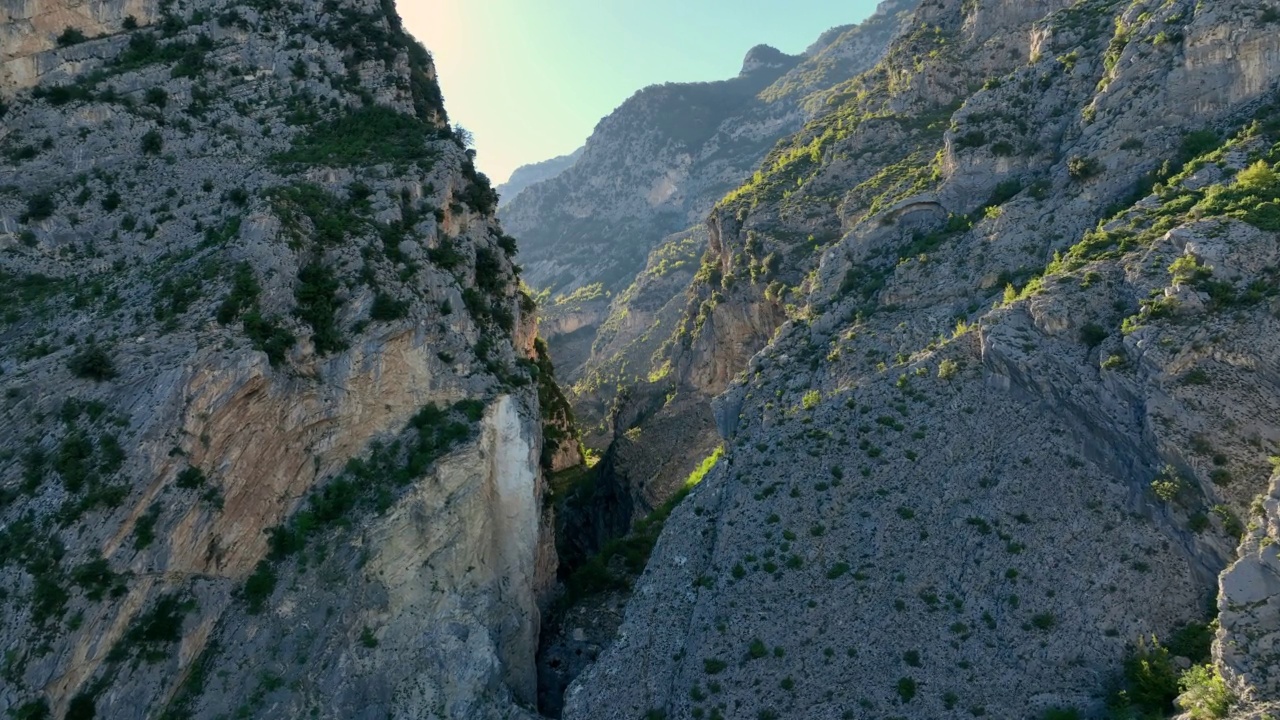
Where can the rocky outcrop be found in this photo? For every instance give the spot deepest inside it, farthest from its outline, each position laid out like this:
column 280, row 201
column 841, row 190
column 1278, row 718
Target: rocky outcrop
column 276, row 426
column 1249, row 613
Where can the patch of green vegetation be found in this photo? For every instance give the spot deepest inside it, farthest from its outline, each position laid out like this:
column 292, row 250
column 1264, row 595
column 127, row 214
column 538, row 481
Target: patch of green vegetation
column 906, row 689
column 152, row 143
column 152, row 635
column 1205, row 695
column 386, row 308
column 25, row 296
column 317, row 306
column 92, row 363
column 144, row 531
column 244, row 294
column 558, row 423
column 32, row 710
column 40, row 206
column 268, row 335
column 332, row 221
column 1150, row 682
column 259, row 587
column 96, row 579
column 368, row 136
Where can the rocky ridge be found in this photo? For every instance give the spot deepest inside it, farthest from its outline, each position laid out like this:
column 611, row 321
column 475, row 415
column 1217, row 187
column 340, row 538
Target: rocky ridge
column 527, row 175
column 1030, row 255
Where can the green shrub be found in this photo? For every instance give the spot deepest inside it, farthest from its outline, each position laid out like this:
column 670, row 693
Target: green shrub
column 33, row 710
column 71, row 36
column 1093, row 335
column 157, row 96
column 368, row 136
column 268, row 336
column 1204, row 693
column 95, row 577
column 811, row 399
column 1061, row 714
column 259, row 587
column 153, row 634
column 144, row 531
column 1200, row 142
column 318, row 303
column 948, row 369
column 190, row 478
column 244, row 294
column 1258, row 177
column 152, row 142
column 1151, row 682
column 714, row 666
column 1168, row 485
column 1193, row 641
column 1043, row 621
column 1081, row 168
column 92, row 363
column 82, row 707
column 39, row 207
column 971, row 139
column 906, row 689
column 386, row 308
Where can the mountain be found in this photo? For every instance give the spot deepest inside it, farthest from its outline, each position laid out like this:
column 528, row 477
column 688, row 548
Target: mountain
column 951, row 391
column 990, row 345
column 659, row 163
column 527, row 175
column 276, row 429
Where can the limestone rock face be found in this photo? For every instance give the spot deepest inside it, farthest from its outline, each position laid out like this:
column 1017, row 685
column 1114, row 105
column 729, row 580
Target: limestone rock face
column 1249, row 613
column 994, row 341
column 30, row 29
column 275, row 422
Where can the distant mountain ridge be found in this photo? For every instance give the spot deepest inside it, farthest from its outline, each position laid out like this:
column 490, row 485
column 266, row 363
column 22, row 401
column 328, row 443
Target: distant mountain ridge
column 658, row 163
column 527, row 175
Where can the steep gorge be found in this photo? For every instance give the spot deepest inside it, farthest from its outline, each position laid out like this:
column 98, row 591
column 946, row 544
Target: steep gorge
column 987, row 345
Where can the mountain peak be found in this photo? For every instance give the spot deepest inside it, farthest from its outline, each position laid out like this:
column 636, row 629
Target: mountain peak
column 763, row 57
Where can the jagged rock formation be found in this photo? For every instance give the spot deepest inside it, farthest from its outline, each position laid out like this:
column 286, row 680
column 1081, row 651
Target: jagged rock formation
column 1249, row 613
column 275, row 430
column 527, row 175
column 994, row 346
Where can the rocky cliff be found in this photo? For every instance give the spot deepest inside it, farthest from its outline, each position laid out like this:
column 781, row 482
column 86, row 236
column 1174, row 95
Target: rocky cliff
column 993, row 342
column 275, row 430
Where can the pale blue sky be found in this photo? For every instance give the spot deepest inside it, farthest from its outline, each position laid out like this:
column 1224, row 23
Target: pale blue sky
column 531, row 78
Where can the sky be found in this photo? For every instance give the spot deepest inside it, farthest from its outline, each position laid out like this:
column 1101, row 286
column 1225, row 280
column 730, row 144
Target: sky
column 531, row 78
